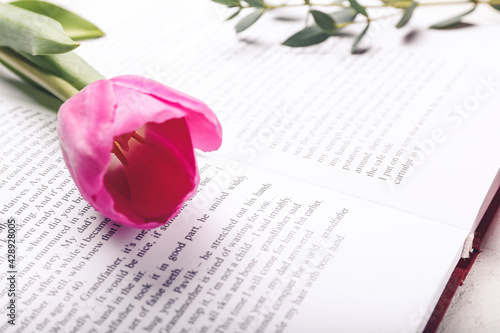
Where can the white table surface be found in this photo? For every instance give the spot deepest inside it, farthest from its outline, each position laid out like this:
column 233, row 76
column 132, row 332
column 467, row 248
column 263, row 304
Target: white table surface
column 476, row 305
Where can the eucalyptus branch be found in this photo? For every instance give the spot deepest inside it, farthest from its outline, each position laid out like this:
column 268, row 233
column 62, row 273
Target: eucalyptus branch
column 330, row 24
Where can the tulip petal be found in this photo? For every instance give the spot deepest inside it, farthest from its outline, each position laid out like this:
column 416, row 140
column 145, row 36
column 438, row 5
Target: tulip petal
column 205, row 129
column 85, row 136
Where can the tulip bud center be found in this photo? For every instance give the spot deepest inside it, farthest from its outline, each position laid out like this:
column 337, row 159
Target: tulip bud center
column 120, row 145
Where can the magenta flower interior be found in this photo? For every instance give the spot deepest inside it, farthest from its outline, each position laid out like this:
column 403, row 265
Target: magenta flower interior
column 150, row 169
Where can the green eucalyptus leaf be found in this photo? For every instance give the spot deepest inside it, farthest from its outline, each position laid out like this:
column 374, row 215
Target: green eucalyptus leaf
column 324, row 21
column 75, row 27
column 451, row 22
column 229, row 3
column 354, row 48
column 306, row 37
column 344, row 15
column 497, row 7
column 313, row 34
column 357, row 7
column 256, row 3
column 33, row 33
column 248, row 20
column 407, row 15
column 232, row 16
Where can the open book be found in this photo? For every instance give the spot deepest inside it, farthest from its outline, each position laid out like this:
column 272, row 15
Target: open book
column 340, row 201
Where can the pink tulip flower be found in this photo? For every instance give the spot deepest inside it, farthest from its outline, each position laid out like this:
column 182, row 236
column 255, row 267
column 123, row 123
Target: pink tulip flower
column 128, row 144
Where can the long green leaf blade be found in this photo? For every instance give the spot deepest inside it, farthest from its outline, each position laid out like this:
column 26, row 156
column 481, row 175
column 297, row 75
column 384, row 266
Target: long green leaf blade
column 449, row 23
column 33, row 33
column 407, row 15
column 248, row 20
column 75, row 26
column 306, row 37
column 68, row 66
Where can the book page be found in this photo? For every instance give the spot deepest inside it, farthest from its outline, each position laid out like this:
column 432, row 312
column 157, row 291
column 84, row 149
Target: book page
column 399, row 126
column 252, row 251
column 414, row 137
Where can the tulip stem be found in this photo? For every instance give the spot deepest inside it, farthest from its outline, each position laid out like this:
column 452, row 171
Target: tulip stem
column 68, row 66
column 62, row 75
column 36, row 75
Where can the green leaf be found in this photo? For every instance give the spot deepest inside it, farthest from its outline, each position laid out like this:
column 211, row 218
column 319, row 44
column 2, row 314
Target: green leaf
column 451, row 22
column 357, row 7
column 313, row 34
column 344, row 15
column 75, row 27
column 306, row 37
column 33, row 33
column 68, row 66
column 256, row 3
column 232, row 16
column 407, row 15
column 248, row 20
column 497, row 7
column 324, row 21
column 354, row 48
column 229, row 3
